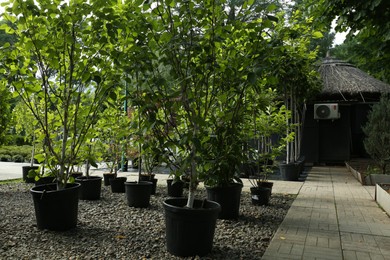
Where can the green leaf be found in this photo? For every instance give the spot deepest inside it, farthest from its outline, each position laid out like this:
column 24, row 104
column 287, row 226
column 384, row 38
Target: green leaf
column 271, row 7
column 272, row 18
column 317, row 35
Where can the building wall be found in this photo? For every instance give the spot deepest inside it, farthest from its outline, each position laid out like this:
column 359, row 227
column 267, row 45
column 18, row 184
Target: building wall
column 334, row 141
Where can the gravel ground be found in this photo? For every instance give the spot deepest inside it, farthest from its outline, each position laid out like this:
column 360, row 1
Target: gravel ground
column 109, row 229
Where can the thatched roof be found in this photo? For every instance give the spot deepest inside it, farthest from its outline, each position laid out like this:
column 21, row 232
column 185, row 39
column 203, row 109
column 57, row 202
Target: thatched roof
column 344, row 80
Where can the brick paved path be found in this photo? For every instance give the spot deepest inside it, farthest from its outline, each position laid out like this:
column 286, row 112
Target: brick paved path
column 333, row 217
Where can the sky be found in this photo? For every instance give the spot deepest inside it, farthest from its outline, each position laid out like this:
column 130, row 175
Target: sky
column 339, row 38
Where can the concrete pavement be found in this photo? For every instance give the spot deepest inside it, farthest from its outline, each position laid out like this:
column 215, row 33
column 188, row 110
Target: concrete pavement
column 333, row 217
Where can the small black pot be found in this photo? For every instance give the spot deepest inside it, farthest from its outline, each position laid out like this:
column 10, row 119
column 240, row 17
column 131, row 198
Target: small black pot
column 260, row 195
column 138, row 194
column 107, row 177
column 265, row 184
column 90, row 187
column 118, row 184
column 229, row 199
column 175, row 188
column 25, row 170
column 190, row 231
column 56, row 209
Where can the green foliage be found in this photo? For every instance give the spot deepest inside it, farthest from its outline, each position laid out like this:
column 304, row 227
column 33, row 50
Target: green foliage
column 112, row 131
column 24, row 121
column 18, row 158
column 369, row 31
column 361, row 52
column 5, row 157
column 22, row 151
column 6, row 38
column 207, row 66
column 377, row 141
column 62, row 69
column 5, row 115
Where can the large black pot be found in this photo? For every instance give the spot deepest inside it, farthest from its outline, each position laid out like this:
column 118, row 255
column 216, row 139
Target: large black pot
column 118, row 184
column 138, row 194
column 56, row 210
column 190, row 231
column 260, row 195
column 289, row 171
column 76, row 174
column 45, row 180
column 150, row 178
column 90, row 187
column 229, row 199
column 25, row 170
column 175, row 188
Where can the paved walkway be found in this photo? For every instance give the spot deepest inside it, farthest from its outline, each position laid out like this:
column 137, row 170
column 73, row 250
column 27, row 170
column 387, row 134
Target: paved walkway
column 333, row 217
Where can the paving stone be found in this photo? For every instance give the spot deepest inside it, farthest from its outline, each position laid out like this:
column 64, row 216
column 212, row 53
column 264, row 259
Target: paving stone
column 333, row 217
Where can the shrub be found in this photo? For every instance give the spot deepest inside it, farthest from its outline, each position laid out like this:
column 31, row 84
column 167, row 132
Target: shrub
column 18, row 158
column 5, row 157
column 377, row 141
column 24, row 150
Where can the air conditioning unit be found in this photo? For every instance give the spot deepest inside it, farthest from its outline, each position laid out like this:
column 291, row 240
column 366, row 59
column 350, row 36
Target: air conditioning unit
column 326, row 111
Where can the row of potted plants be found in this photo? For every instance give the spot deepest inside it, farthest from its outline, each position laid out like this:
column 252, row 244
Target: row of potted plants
column 196, row 79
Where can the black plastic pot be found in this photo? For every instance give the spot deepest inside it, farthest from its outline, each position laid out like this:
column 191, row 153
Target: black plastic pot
column 107, row 177
column 190, row 231
column 229, row 199
column 56, row 210
column 76, row 174
column 138, row 194
column 25, row 170
column 265, row 184
column 150, row 178
column 289, row 172
column 45, row 180
column 90, row 187
column 175, row 188
column 260, row 195
column 118, row 184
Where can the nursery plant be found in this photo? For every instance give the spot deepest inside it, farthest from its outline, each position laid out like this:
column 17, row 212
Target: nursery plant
column 294, row 75
column 26, row 124
column 193, row 96
column 112, row 131
column 60, row 61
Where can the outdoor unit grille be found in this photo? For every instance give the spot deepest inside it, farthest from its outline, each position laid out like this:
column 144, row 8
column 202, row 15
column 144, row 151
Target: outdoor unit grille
column 326, row 111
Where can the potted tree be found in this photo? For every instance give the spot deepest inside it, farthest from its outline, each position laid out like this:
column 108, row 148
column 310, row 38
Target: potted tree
column 90, row 188
column 269, row 123
column 25, row 123
column 60, row 59
column 193, row 96
column 297, row 81
column 112, row 133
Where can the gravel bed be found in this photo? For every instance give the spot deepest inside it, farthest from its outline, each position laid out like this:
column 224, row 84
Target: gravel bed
column 109, row 229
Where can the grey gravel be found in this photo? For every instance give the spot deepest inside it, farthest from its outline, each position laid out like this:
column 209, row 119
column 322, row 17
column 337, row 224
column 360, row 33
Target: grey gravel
column 109, row 229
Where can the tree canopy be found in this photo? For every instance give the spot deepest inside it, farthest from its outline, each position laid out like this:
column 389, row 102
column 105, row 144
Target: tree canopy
column 368, row 40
